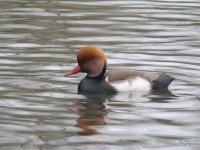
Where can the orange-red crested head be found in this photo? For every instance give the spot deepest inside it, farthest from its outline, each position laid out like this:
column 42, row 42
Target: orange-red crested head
column 90, row 53
column 91, row 60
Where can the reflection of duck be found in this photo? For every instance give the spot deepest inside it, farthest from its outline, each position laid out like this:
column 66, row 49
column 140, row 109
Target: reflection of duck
column 162, row 96
column 92, row 61
column 92, row 112
column 158, row 96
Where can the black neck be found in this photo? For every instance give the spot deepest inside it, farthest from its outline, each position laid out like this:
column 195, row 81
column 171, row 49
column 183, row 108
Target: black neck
column 99, row 77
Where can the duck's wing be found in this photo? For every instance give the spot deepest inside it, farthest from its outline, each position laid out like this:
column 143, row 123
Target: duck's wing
column 123, row 74
column 157, row 80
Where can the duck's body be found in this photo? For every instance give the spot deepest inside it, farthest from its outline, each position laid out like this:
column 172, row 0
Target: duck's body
column 93, row 61
column 124, row 81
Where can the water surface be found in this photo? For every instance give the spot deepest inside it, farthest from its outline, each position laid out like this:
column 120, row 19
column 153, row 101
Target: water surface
column 40, row 109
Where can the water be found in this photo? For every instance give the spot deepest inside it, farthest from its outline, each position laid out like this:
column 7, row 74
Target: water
column 40, row 109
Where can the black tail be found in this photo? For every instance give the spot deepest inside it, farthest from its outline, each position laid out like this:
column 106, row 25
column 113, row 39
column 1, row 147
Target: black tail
column 162, row 81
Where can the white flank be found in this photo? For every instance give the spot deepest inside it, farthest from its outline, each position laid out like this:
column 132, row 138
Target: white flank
column 131, row 84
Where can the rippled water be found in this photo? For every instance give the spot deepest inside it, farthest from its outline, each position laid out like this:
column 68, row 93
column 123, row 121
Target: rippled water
column 40, row 109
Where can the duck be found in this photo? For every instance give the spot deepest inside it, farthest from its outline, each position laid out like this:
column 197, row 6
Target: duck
column 92, row 61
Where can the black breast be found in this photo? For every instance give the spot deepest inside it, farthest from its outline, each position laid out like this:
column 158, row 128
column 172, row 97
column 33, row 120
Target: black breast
column 95, row 86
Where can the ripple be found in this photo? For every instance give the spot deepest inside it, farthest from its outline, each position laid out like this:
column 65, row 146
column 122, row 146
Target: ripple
column 21, row 26
column 40, row 108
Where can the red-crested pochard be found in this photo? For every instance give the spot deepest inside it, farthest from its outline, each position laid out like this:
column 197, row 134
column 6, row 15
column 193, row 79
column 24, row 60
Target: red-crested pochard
column 92, row 60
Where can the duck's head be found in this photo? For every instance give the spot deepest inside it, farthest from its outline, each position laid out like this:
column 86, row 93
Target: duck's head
column 91, row 60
